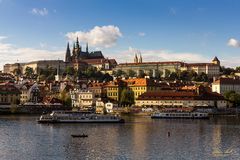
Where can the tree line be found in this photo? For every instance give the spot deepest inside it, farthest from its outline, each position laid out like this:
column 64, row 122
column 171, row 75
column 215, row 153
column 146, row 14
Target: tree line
column 167, row 75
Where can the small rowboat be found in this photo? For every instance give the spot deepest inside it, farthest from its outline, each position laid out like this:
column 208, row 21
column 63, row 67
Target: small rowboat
column 79, row 135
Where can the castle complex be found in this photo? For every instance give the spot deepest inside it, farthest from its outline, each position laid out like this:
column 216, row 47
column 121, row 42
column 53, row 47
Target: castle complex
column 81, row 60
column 77, row 58
column 211, row 69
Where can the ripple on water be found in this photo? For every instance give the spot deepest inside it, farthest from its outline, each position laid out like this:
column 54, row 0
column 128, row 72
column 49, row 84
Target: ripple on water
column 140, row 138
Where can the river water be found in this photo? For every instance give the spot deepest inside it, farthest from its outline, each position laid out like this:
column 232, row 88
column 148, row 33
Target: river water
column 22, row 138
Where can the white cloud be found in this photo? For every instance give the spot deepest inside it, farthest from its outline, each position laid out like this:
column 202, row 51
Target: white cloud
column 142, row 34
column 233, row 43
column 40, row 12
column 11, row 54
column 3, row 37
column 105, row 36
column 167, row 55
column 159, row 55
column 43, row 45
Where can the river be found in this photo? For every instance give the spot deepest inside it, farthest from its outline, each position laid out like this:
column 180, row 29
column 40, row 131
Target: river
column 22, row 138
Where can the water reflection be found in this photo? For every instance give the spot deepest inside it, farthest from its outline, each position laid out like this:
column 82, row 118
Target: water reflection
column 225, row 139
column 140, row 138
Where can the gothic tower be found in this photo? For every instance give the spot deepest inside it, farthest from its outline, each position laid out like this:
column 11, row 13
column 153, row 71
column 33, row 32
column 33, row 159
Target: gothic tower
column 68, row 54
column 140, row 59
column 216, row 61
column 135, row 59
column 87, row 47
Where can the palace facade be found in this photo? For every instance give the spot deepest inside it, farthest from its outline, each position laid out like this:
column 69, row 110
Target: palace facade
column 211, row 69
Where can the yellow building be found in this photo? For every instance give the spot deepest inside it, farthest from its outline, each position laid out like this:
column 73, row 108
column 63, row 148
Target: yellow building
column 141, row 85
column 9, row 94
column 137, row 85
column 114, row 88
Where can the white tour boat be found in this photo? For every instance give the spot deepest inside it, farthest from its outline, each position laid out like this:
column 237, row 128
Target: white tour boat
column 188, row 115
column 78, row 117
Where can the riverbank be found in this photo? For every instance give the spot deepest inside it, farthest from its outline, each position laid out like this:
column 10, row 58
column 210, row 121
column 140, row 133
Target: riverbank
column 32, row 109
column 39, row 109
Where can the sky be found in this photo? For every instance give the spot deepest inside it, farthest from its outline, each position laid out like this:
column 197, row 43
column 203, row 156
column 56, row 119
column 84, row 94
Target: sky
column 159, row 30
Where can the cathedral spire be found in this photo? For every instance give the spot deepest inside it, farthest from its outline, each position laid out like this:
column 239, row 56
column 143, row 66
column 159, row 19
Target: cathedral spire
column 135, row 58
column 87, row 47
column 140, row 58
column 68, row 54
column 77, row 44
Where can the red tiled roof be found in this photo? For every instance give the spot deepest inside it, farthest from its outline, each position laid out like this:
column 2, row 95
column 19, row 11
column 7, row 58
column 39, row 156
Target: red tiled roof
column 176, row 95
column 169, row 62
column 6, row 88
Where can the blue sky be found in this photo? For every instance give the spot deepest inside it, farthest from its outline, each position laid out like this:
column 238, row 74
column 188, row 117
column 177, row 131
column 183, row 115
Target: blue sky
column 161, row 30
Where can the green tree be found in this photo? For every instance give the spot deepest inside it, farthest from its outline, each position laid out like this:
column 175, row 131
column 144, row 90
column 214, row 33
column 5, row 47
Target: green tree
column 119, row 73
column 127, row 97
column 202, row 77
column 91, row 72
column 69, row 70
column 158, row 74
column 237, row 69
column 193, row 75
column 184, row 75
column 65, row 98
column 167, row 73
column 106, row 77
column 68, row 101
column 17, row 71
column 131, row 73
column 233, row 97
column 227, row 71
column 228, row 93
column 29, row 71
column 173, row 76
column 141, row 74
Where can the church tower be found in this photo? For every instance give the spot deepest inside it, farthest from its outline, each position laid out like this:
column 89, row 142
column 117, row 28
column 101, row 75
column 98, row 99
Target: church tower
column 216, row 61
column 140, row 59
column 68, row 54
column 87, row 47
column 135, row 59
column 77, row 44
column 73, row 52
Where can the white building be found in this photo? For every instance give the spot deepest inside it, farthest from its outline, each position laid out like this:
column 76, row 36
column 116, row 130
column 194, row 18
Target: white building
column 223, row 85
column 211, row 69
column 82, row 99
column 109, row 107
column 181, row 99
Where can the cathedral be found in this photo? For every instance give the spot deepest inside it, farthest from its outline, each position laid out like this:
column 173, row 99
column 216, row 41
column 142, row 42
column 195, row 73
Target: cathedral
column 78, row 54
column 80, row 59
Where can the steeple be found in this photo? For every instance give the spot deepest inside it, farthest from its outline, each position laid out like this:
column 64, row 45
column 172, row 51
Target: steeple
column 140, row 59
column 73, row 47
column 77, row 44
column 216, row 61
column 87, row 47
column 57, row 76
column 68, row 54
column 135, row 58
